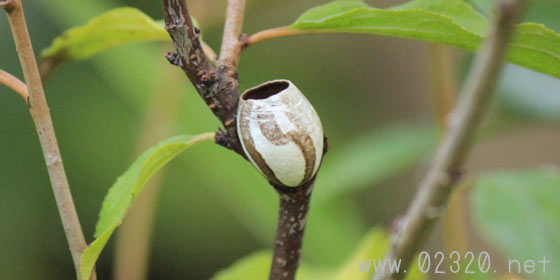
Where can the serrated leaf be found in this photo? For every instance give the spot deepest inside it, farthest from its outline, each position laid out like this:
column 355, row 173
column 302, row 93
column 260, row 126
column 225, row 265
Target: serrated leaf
column 459, row 12
column 372, row 158
column 110, row 29
column 127, row 187
column 450, row 22
column 518, row 212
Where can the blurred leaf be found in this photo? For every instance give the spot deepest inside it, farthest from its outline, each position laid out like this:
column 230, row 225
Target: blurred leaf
column 123, row 193
column 543, row 11
column 519, row 213
column 257, row 266
column 254, row 266
column 458, row 11
column 450, row 22
column 372, row 248
column 110, row 29
column 373, row 158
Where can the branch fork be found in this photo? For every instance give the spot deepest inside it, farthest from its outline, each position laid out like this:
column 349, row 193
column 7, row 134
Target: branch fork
column 34, row 94
column 219, row 89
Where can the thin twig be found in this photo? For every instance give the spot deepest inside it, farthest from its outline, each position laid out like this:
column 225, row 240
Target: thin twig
column 41, row 116
column 434, row 191
column 14, row 84
column 229, row 53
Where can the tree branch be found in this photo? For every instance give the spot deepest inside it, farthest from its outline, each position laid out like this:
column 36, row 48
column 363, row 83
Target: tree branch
column 230, row 52
column 292, row 216
column 434, row 191
column 14, row 84
column 41, row 116
column 220, row 91
column 218, row 88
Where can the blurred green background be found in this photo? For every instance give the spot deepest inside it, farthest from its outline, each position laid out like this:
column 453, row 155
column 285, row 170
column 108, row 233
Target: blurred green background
column 108, row 109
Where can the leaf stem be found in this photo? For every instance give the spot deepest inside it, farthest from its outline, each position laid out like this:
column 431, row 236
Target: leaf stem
column 435, row 189
column 278, row 32
column 14, row 84
column 43, row 123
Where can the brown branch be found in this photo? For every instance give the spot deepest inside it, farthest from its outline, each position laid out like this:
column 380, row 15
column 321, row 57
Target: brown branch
column 41, row 116
column 292, row 216
column 230, row 53
column 434, row 191
column 14, row 84
column 220, row 91
column 218, row 87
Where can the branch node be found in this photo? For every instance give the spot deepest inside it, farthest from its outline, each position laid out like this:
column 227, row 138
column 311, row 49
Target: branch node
column 221, row 138
column 8, row 5
column 174, row 58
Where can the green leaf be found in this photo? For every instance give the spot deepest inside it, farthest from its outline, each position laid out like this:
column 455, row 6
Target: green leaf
column 459, row 12
column 257, row 266
column 373, row 158
column 127, row 187
column 450, row 22
column 254, row 266
column 92, row 252
column 518, row 212
column 372, row 248
column 110, row 29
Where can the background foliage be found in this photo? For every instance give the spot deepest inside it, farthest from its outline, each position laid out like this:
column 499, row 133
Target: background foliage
column 372, row 93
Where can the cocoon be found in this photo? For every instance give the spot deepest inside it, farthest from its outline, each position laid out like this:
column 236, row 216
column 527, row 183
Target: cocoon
column 280, row 132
